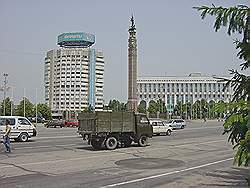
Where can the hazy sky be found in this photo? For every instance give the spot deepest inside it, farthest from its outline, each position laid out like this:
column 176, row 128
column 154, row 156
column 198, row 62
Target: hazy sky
column 172, row 39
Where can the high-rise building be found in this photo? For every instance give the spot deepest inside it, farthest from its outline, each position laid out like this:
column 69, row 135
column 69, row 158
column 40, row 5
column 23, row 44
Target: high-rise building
column 74, row 75
column 132, row 68
column 184, row 89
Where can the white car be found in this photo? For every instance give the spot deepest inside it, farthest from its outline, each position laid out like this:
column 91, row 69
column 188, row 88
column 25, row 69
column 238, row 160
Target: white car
column 176, row 123
column 21, row 128
column 159, row 127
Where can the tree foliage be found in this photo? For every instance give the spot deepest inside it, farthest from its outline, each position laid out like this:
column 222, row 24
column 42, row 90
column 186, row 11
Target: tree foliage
column 8, row 103
column 29, row 108
column 237, row 124
column 44, row 111
column 142, row 107
column 116, row 106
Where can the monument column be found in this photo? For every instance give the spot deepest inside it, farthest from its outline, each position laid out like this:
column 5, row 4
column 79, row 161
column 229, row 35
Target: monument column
column 132, row 67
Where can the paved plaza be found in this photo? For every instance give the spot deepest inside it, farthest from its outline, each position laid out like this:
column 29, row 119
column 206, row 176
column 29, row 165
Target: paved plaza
column 197, row 156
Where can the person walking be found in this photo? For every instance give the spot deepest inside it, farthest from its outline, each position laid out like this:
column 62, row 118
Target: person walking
column 6, row 136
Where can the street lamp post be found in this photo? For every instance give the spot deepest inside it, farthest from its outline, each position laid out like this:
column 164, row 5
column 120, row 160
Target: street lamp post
column 24, row 102
column 4, row 92
column 12, row 101
column 36, row 106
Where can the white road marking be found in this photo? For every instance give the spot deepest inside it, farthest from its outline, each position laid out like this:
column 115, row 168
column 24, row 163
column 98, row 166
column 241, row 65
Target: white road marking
column 166, row 174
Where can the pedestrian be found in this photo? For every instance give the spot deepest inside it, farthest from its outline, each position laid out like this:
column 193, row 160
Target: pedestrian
column 6, row 136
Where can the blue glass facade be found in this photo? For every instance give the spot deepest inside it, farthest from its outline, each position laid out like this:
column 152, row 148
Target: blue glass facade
column 92, row 62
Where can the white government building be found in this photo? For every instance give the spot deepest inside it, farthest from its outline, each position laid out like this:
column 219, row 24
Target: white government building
column 171, row 89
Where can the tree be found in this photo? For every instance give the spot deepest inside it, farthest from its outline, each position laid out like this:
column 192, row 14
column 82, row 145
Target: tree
column 152, row 108
column 117, row 106
column 29, row 108
column 142, row 107
column 44, row 111
column 8, row 104
column 237, row 124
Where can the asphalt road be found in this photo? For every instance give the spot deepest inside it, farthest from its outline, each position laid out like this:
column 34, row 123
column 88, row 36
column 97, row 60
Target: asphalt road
column 197, row 156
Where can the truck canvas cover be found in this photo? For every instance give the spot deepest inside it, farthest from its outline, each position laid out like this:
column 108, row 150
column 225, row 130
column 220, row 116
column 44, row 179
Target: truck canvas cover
column 107, row 122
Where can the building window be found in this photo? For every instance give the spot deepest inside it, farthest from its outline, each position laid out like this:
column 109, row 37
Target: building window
column 214, row 87
column 191, row 87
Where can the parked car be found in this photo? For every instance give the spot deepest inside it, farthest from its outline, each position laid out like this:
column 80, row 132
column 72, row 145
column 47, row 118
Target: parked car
column 21, row 128
column 55, row 123
column 39, row 119
column 72, row 123
column 159, row 127
column 176, row 123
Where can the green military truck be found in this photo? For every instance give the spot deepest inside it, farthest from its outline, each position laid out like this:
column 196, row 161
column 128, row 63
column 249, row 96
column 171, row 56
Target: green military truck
column 112, row 129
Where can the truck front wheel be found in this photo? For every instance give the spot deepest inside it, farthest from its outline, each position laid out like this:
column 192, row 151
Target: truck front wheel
column 143, row 141
column 111, row 143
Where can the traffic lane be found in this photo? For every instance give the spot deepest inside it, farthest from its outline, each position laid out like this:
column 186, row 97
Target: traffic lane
column 217, row 174
column 53, row 155
column 198, row 132
column 101, row 170
column 206, row 177
column 79, row 155
column 47, row 145
column 41, row 143
column 73, row 141
column 43, row 131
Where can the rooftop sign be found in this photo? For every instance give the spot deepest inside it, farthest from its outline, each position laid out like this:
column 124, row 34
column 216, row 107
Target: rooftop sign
column 78, row 39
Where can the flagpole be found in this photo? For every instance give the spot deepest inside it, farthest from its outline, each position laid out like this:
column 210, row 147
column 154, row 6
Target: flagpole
column 36, row 106
column 24, row 102
column 12, row 101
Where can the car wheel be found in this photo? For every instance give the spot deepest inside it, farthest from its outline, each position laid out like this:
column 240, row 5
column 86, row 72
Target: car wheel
column 24, row 137
column 182, row 127
column 143, row 141
column 168, row 133
column 111, row 143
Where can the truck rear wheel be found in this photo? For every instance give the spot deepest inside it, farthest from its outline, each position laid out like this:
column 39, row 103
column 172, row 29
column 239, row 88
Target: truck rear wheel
column 111, row 143
column 143, row 141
